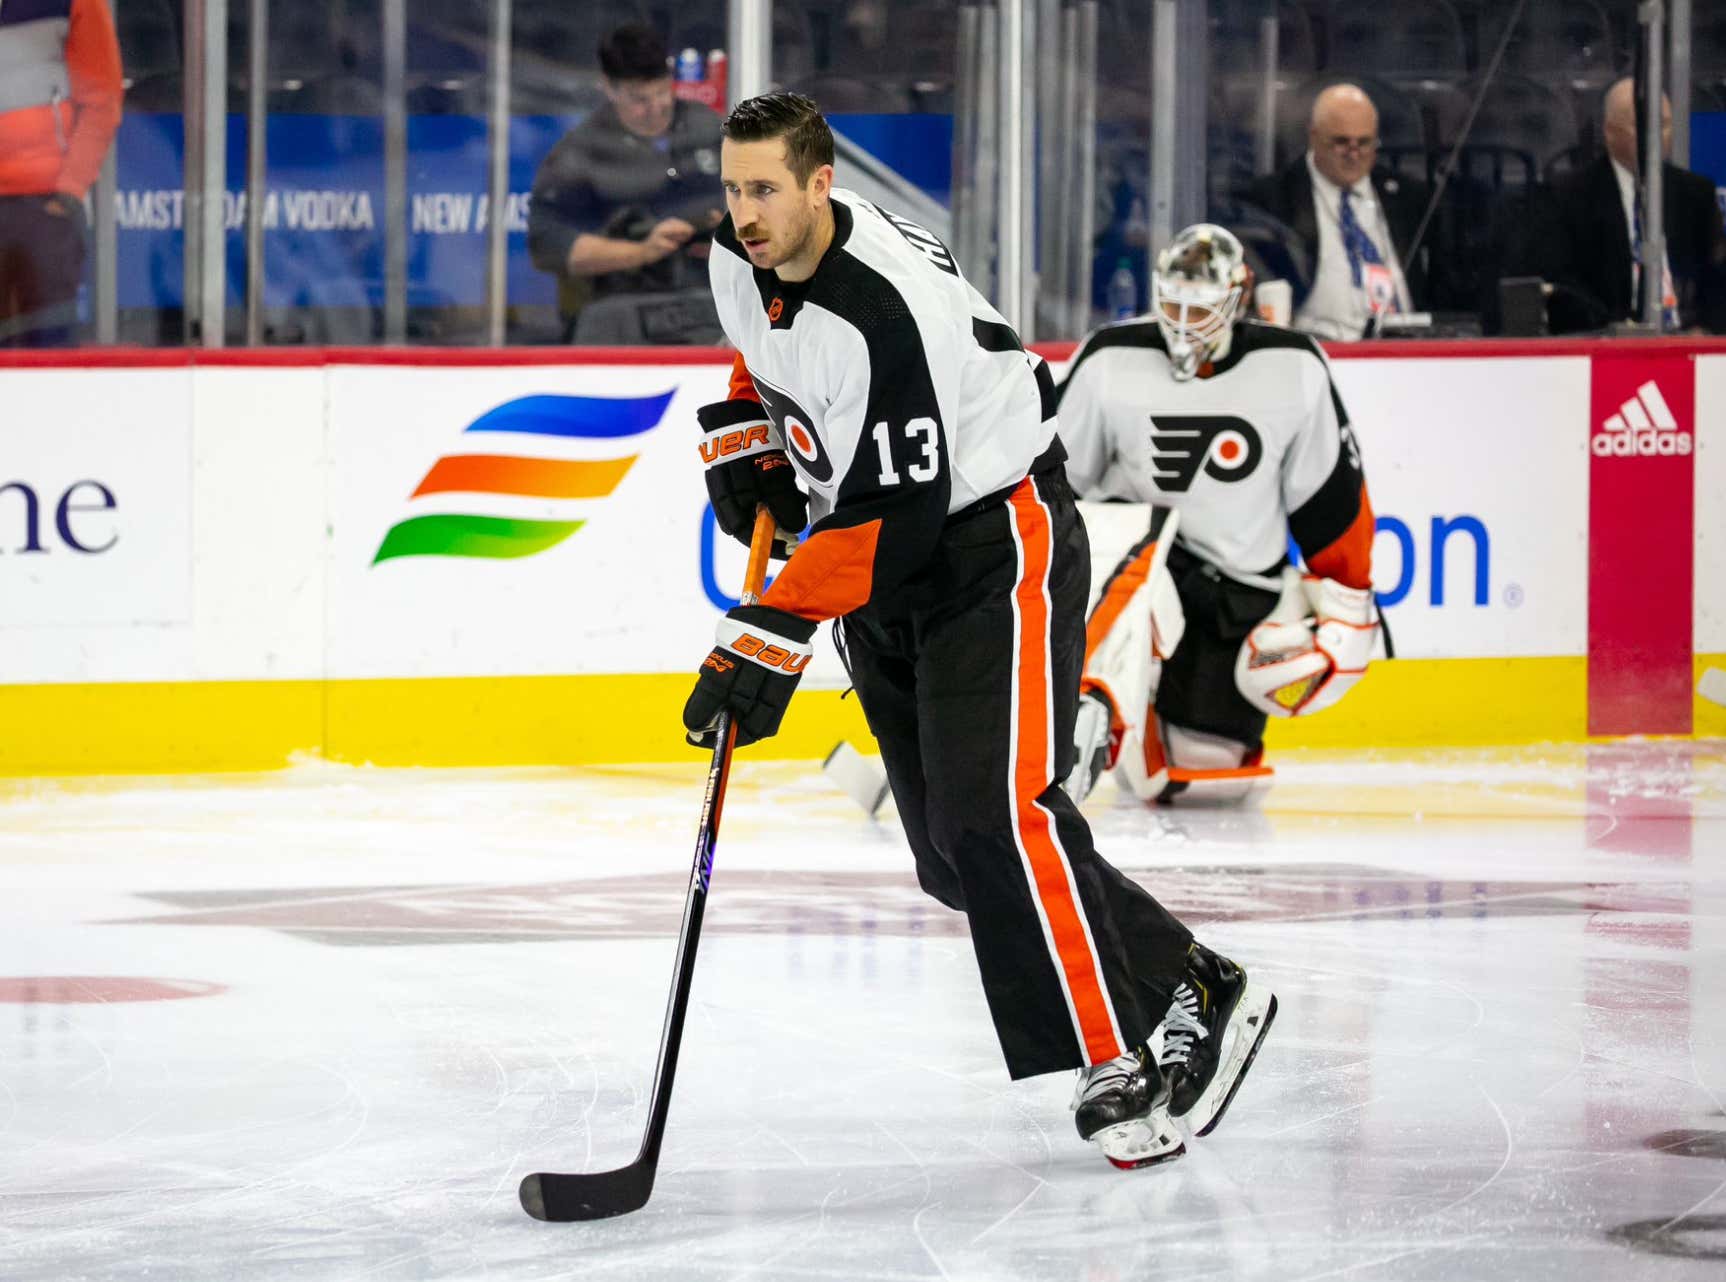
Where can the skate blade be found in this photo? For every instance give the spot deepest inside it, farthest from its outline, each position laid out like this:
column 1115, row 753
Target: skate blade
column 1140, row 1142
column 1250, row 1022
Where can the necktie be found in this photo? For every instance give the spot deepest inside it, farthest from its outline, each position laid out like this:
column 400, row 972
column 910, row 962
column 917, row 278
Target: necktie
column 1668, row 295
column 1359, row 245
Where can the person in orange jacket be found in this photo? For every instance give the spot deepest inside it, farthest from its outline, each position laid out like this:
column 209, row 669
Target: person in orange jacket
column 60, row 94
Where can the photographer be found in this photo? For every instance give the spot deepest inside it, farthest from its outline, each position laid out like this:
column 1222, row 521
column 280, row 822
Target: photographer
column 624, row 205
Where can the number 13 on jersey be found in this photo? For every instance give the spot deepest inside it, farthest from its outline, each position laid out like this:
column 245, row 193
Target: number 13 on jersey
column 919, row 435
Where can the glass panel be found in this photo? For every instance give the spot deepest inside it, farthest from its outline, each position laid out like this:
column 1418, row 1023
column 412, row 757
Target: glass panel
column 149, row 168
column 1486, row 122
column 624, row 173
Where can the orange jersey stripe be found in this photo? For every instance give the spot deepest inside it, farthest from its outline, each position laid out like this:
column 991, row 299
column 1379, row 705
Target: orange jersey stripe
column 534, row 477
column 1051, row 876
column 831, row 574
column 742, row 384
column 1349, row 559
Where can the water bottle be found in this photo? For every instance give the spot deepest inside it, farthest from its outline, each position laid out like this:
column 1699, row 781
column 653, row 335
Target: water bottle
column 689, row 67
column 1122, row 295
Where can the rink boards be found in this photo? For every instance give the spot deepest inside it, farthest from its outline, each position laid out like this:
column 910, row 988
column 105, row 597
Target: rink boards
column 230, row 560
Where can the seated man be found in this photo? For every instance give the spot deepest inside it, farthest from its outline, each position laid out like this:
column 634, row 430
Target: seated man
column 1205, row 630
column 1354, row 222
column 623, row 206
column 1589, row 237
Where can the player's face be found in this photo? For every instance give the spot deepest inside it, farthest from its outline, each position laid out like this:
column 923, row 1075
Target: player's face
column 776, row 217
column 644, row 106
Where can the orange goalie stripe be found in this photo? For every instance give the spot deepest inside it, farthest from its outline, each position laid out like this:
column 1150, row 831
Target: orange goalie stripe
column 1116, row 594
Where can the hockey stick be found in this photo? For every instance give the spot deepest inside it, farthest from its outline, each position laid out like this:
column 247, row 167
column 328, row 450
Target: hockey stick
column 598, row 1195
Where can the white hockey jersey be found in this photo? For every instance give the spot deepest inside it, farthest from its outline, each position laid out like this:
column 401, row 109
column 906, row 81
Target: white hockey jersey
column 1253, row 450
column 902, row 395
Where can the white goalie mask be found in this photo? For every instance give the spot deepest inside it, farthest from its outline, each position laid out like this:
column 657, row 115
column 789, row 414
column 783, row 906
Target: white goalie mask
column 1198, row 290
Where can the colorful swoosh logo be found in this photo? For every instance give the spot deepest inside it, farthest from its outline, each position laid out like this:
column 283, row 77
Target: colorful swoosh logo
column 548, row 418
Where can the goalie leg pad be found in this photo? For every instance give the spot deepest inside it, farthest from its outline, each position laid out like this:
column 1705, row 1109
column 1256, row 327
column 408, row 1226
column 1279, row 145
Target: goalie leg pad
column 1136, row 624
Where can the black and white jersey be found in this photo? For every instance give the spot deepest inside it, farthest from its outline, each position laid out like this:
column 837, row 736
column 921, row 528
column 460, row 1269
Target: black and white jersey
column 902, row 395
column 1255, row 448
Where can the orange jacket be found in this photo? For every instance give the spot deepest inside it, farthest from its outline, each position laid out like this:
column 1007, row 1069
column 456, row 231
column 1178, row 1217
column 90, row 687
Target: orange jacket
column 63, row 55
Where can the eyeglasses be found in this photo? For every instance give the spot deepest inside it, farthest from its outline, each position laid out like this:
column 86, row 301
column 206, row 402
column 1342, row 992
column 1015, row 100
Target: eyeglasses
column 1342, row 142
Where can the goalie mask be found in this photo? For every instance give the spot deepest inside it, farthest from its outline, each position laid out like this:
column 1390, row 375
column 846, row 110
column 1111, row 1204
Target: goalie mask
column 1198, row 290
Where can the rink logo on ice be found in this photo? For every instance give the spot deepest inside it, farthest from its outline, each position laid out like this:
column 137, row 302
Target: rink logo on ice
column 1644, row 426
column 1228, row 448
column 506, row 505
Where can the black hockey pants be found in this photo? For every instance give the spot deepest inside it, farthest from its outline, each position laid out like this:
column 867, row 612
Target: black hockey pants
column 970, row 682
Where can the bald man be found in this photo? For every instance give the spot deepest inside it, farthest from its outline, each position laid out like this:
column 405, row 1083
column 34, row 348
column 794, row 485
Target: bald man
column 1356, row 220
column 1589, row 235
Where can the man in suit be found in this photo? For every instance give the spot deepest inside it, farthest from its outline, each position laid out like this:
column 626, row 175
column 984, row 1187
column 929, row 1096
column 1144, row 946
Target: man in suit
column 1590, row 235
column 1356, row 222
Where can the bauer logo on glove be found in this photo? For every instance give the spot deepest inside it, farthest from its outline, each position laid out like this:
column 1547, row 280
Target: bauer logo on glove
column 752, row 672
column 1312, row 648
column 747, row 467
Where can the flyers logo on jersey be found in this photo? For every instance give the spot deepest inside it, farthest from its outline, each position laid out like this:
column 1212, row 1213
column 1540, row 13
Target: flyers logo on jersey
column 796, row 426
column 1228, row 449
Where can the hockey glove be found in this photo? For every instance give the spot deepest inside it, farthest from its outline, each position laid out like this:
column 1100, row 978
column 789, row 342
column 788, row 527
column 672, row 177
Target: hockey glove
column 747, row 467
column 753, row 671
column 1311, row 650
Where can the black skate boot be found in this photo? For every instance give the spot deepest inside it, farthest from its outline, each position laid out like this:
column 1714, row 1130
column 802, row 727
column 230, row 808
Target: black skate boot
column 1123, row 1108
column 1211, row 1034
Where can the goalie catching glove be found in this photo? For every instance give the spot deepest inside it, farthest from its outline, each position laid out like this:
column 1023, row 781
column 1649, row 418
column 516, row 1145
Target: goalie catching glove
column 1311, row 650
column 752, row 671
column 747, row 467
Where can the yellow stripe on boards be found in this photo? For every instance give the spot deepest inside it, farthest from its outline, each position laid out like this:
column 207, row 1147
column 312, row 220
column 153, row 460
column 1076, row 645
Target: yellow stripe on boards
column 1449, row 702
column 187, row 727
column 1710, row 716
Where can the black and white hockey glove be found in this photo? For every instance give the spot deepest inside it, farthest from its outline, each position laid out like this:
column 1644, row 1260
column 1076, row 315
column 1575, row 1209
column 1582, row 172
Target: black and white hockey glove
column 753, row 670
column 747, row 467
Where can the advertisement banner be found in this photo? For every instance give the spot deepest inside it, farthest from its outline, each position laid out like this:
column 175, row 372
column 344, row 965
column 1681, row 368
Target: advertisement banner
column 1642, row 425
column 1710, row 500
column 1471, row 561
column 489, row 522
column 95, row 501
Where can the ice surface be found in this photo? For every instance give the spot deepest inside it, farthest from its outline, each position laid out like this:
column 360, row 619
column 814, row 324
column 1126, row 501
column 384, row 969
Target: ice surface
column 378, row 998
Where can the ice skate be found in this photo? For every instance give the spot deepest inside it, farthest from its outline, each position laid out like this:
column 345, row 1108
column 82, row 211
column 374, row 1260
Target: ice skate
column 1210, row 1036
column 1123, row 1108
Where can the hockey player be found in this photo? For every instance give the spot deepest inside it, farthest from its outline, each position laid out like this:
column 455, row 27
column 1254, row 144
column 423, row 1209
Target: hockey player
column 1234, row 432
column 947, row 544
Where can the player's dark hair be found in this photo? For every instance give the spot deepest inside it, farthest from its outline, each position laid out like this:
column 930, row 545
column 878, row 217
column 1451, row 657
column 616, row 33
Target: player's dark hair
column 791, row 116
column 634, row 51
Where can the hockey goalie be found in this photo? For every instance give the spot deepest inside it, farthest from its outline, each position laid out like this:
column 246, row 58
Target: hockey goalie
column 1233, row 432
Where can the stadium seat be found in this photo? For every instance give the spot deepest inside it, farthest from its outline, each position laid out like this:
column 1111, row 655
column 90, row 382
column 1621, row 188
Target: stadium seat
column 1417, row 41
column 1521, row 125
column 1558, row 40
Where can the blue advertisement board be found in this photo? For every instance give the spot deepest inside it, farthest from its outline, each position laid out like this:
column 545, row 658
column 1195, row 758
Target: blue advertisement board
column 1708, row 148
column 323, row 220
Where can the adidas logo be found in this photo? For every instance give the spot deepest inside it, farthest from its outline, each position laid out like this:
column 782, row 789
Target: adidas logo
column 1643, row 426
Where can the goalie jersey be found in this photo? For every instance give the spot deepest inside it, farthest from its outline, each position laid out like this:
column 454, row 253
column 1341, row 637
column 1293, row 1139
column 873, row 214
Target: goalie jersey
column 1254, row 449
column 901, row 394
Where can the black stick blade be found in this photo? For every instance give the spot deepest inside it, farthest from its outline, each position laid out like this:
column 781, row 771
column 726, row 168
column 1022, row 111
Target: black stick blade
column 596, row 1196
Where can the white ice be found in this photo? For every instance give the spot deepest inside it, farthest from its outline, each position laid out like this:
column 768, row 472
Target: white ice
column 1501, row 1052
